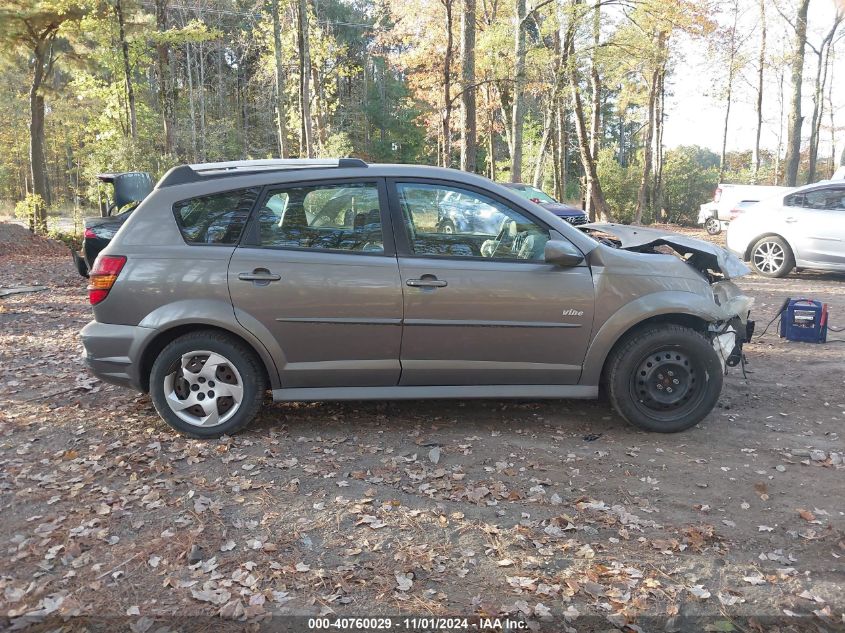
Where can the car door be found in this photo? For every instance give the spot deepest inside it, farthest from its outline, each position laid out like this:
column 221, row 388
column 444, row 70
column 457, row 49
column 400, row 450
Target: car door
column 317, row 272
column 485, row 308
column 815, row 225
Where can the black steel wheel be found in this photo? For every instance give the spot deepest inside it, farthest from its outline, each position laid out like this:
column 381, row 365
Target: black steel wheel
column 664, row 378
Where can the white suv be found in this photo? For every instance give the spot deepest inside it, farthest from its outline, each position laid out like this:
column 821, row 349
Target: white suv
column 803, row 229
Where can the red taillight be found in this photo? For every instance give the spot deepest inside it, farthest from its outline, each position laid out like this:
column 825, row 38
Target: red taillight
column 89, row 234
column 717, row 195
column 103, row 275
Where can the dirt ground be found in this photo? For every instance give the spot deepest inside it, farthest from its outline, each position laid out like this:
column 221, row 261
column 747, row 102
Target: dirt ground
column 553, row 513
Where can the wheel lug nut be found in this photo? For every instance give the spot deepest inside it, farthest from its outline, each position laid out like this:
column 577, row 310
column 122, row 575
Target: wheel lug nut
column 210, row 394
column 669, row 389
column 195, row 387
column 675, row 381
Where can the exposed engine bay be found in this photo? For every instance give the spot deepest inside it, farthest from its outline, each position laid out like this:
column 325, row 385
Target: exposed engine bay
column 713, row 261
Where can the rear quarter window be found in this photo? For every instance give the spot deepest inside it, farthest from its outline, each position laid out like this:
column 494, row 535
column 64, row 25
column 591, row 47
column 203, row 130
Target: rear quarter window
column 216, row 219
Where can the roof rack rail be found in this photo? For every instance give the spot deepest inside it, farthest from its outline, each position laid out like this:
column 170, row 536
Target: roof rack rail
column 184, row 174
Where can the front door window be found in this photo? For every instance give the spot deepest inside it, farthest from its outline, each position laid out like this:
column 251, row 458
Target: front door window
column 452, row 222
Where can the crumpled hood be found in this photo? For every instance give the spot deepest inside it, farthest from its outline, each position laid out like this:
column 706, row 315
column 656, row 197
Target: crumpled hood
column 698, row 253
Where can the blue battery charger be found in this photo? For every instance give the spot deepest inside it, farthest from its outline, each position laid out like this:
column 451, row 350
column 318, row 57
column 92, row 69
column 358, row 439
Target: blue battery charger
column 804, row 320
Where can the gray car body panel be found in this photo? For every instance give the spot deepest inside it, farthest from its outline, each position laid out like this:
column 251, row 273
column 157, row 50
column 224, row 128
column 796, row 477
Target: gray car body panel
column 499, row 329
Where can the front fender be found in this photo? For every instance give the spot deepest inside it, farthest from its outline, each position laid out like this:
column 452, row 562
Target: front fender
column 641, row 309
column 220, row 314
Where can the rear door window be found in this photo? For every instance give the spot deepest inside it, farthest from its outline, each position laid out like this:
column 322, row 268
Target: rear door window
column 343, row 217
column 832, row 199
column 216, row 219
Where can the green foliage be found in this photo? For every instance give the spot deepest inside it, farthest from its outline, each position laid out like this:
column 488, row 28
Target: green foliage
column 337, row 145
column 689, row 178
column 71, row 239
column 619, row 184
column 30, row 209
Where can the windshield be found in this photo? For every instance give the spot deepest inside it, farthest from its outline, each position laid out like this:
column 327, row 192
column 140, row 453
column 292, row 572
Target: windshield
column 534, row 194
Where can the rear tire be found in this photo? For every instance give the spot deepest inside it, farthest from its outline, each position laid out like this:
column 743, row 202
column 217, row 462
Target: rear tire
column 771, row 256
column 207, row 383
column 664, row 378
column 713, row 226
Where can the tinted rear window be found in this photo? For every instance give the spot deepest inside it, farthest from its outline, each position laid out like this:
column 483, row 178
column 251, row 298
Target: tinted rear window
column 216, row 219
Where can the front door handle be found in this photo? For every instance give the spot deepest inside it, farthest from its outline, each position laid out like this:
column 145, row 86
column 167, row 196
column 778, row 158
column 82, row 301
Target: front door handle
column 261, row 276
column 790, row 220
column 427, row 281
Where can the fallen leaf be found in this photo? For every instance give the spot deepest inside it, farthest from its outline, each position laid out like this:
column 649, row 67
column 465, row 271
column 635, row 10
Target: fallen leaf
column 404, row 581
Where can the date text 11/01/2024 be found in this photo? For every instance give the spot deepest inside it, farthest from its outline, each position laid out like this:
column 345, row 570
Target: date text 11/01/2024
column 416, row 624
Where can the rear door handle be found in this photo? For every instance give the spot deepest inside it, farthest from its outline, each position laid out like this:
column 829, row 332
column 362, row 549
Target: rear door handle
column 427, row 281
column 259, row 275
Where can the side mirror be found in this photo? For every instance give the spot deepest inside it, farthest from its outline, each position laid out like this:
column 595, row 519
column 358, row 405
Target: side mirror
column 562, row 253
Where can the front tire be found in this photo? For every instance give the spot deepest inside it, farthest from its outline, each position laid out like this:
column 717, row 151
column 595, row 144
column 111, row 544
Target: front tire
column 206, row 384
column 448, row 227
column 713, row 226
column 772, row 257
column 665, row 378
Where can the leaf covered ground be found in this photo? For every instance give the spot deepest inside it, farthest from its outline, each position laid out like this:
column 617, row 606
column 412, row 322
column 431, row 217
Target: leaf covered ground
column 555, row 513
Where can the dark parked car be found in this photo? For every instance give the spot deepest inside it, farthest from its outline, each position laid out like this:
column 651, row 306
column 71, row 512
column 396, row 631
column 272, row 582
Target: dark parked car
column 329, row 280
column 130, row 188
column 460, row 213
column 571, row 214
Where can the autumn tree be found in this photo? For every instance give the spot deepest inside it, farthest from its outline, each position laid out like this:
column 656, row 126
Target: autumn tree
column 35, row 28
column 793, row 142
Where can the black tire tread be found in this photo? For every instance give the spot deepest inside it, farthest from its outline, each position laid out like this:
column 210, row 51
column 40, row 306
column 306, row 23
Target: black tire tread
column 617, row 384
column 248, row 409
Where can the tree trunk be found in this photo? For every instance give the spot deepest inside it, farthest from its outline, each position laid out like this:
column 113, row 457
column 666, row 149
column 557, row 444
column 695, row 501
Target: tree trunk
column 36, row 134
column 761, row 66
column 563, row 151
column 202, row 103
column 818, row 98
column 730, row 84
column 191, row 100
column 518, row 115
column 793, row 140
column 659, row 112
column 319, row 118
column 165, row 83
column 127, row 71
column 594, row 190
column 491, row 136
column 780, row 129
column 446, row 115
column 548, row 119
column 643, row 197
column 830, row 114
column 595, row 87
column 305, row 81
column 469, row 140
column 281, row 100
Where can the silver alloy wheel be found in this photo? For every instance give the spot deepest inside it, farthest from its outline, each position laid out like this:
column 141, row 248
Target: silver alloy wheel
column 713, row 226
column 769, row 257
column 205, row 390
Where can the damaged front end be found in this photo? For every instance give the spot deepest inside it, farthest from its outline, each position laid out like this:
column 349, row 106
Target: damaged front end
column 730, row 327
